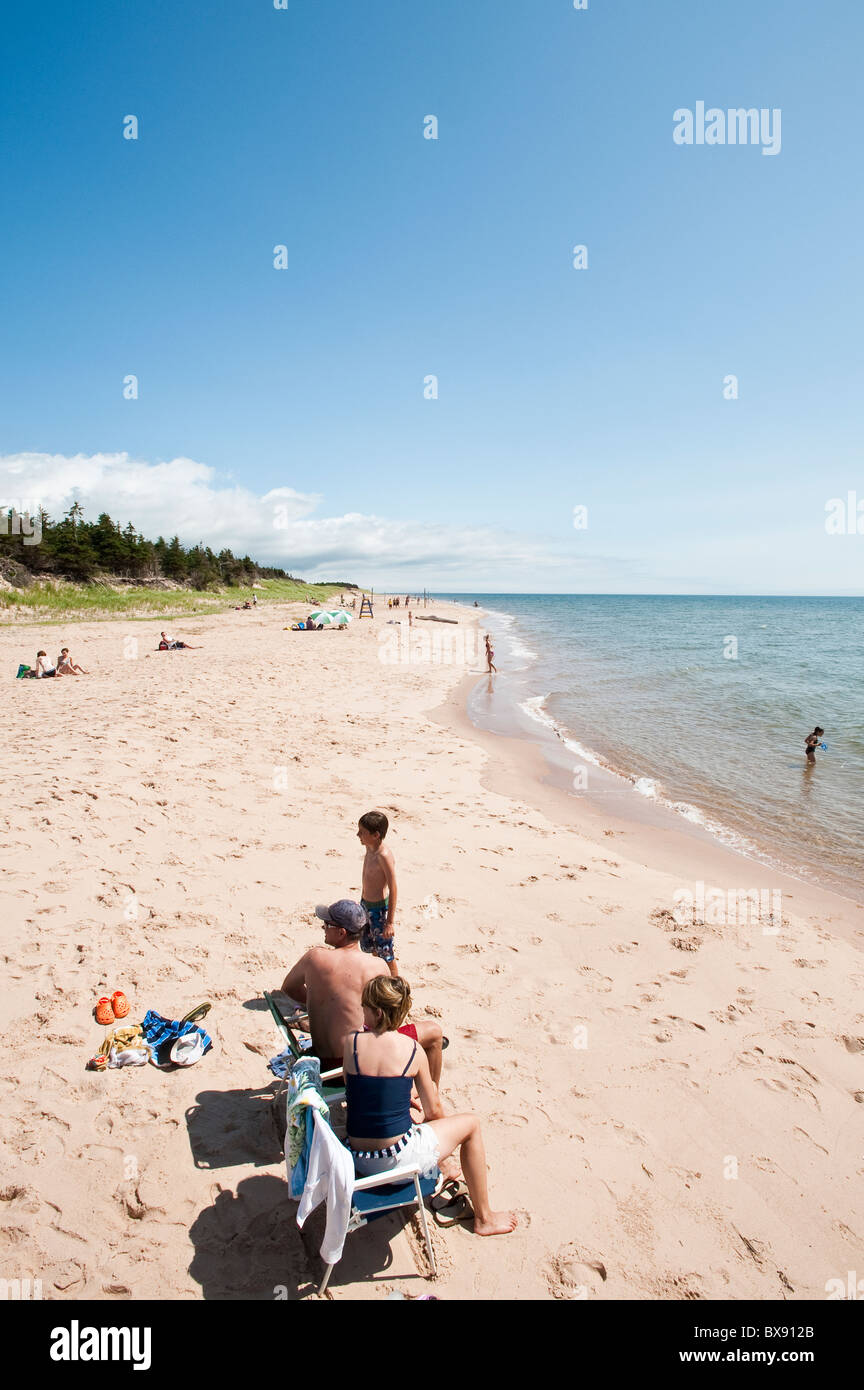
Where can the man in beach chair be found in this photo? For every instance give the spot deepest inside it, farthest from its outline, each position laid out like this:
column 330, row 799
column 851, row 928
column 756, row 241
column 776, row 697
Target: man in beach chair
column 329, row 985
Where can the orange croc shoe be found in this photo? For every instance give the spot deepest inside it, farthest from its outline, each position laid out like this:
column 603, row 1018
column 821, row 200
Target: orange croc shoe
column 103, row 1013
column 119, row 1003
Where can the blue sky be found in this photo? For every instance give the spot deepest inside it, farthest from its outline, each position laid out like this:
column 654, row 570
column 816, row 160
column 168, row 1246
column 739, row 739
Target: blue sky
column 302, row 389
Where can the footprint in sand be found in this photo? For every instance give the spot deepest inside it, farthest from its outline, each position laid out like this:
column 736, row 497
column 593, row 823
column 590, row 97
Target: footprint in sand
column 752, row 1057
column 685, row 943
column 681, row 1286
column 573, row 1273
column 597, row 983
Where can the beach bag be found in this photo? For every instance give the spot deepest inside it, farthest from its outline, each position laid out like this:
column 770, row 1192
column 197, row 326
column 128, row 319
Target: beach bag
column 22, row 671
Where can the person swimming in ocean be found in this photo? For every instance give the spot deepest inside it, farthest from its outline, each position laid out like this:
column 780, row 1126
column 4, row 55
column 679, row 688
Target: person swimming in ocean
column 811, row 743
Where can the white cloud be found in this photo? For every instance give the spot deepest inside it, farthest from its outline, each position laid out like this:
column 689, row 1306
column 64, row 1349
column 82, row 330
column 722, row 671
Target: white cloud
column 183, row 498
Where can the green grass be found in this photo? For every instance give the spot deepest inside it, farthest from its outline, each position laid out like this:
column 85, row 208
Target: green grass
column 60, row 601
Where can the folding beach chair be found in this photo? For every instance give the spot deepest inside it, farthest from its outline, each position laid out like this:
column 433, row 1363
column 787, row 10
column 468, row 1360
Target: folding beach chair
column 383, row 1192
column 289, row 1031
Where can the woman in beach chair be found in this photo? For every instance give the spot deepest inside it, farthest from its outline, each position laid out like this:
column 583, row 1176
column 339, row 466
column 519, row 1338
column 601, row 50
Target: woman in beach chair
column 380, row 1067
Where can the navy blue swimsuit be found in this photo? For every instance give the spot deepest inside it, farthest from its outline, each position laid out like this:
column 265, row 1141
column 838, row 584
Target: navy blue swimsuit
column 379, row 1106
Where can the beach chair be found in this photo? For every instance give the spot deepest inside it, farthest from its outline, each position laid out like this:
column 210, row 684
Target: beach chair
column 375, row 1196
column 289, row 1031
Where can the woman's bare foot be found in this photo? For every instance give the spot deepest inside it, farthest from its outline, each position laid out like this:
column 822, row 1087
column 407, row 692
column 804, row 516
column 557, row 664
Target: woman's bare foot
column 500, row 1223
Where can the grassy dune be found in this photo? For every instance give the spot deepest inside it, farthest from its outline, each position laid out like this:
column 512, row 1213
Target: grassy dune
column 58, row 601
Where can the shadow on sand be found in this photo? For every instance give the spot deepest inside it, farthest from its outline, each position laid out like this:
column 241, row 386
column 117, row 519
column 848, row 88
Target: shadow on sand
column 247, row 1243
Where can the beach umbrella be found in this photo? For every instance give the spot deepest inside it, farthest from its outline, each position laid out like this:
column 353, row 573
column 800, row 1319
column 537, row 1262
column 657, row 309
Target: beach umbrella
column 330, row 619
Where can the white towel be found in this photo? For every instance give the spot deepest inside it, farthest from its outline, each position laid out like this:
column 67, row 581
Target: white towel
column 330, row 1179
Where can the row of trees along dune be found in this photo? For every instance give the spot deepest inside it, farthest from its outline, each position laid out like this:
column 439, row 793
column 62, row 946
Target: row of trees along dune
column 86, row 550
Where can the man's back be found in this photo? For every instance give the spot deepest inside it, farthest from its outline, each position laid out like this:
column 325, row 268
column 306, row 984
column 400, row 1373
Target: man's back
column 334, row 985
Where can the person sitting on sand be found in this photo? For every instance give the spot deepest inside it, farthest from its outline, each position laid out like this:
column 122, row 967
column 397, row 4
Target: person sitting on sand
column 811, row 743
column 169, row 644
column 381, row 1066
column 44, row 667
column 67, row 667
column 329, row 983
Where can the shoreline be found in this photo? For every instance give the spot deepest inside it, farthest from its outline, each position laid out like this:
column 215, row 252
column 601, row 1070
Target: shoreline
column 612, row 794
column 181, row 817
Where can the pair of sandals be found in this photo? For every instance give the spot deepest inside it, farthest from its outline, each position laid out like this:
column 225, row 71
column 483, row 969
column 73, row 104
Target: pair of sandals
column 109, row 1011
column 451, row 1204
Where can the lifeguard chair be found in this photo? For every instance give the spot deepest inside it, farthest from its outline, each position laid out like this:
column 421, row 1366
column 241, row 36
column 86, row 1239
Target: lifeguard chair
column 366, row 607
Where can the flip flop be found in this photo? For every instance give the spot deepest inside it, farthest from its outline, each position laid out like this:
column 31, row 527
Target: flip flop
column 119, row 1003
column 194, row 1015
column 103, row 1013
column 451, row 1205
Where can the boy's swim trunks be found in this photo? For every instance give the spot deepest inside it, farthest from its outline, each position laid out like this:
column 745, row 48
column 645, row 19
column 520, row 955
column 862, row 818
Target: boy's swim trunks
column 373, row 941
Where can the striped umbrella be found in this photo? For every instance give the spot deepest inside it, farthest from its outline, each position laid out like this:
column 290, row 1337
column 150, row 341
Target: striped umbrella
column 335, row 618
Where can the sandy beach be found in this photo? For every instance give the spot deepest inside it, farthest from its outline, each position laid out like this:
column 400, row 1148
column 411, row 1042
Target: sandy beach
column 676, row 1112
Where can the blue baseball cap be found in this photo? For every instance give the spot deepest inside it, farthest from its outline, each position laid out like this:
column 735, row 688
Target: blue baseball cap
column 347, row 914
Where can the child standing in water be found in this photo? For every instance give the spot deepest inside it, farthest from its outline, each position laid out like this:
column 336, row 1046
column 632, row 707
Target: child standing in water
column 811, row 743
column 490, row 653
column 378, row 893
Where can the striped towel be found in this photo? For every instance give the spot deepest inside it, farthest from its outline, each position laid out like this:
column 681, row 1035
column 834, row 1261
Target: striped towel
column 162, row 1033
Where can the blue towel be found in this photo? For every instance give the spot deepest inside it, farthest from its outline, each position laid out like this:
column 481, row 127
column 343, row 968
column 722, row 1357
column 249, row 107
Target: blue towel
column 162, row 1033
column 281, row 1065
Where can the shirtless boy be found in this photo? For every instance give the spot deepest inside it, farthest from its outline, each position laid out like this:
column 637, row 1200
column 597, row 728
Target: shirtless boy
column 379, row 889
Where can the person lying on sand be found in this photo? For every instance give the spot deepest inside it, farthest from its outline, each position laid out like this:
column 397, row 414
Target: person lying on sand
column 67, row 667
column 381, row 1065
column 169, row 644
column 329, row 983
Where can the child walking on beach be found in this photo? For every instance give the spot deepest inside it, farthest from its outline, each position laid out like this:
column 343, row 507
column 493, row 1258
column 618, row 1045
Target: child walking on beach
column 378, row 893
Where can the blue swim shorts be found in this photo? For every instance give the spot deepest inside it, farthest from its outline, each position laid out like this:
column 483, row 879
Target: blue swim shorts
column 373, row 941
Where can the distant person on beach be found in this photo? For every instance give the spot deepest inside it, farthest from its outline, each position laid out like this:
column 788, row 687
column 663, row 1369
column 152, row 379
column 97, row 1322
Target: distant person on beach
column 170, row 644
column 42, row 668
column 490, row 653
column 378, row 894
column 381, row 1068
column 811, row 743
column 67, row 667
column 329, row 984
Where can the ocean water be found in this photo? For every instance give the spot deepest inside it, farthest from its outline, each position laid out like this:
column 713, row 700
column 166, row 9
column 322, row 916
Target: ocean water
column 702, row 704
